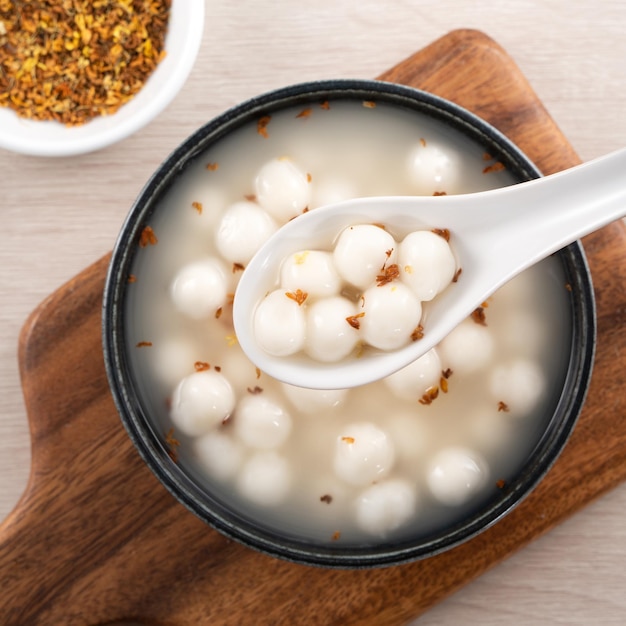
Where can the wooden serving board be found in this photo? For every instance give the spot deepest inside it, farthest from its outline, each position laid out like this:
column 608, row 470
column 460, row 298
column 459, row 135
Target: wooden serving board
column 96, row 539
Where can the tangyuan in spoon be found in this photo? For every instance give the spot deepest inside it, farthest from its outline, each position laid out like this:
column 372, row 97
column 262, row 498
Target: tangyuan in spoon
column 350, row 293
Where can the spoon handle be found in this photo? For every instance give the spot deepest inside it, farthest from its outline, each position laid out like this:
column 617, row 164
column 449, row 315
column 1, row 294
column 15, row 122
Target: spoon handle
column 523, row 224
column 507, row 230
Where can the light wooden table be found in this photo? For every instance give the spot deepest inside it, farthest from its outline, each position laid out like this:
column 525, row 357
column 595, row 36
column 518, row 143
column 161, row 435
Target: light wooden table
column 59, row 215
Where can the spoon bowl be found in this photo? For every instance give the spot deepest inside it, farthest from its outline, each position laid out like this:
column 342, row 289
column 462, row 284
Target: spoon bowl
column 495, row 235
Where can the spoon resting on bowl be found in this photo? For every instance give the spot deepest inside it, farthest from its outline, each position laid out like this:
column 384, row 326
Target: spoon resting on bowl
column 494, row 236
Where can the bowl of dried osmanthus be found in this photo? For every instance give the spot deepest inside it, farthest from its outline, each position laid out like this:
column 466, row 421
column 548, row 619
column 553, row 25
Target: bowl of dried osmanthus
column 76, row 76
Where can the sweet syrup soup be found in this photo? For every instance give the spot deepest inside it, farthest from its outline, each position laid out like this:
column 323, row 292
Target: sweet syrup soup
column 403, row 456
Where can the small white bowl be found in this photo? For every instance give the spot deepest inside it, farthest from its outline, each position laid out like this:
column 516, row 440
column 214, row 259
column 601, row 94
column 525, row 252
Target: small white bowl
column 182, row 42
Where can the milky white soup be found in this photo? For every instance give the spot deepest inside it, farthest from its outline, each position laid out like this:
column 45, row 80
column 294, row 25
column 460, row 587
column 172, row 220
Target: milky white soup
column 403, row 456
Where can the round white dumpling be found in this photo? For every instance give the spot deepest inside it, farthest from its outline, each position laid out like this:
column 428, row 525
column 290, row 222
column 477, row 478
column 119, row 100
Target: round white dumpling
column 426, row 263
column 261, row 422
column 485, row 427
column 520, row 385
column 520, row 290
column 329, row 336
column 361, row 253
column 218, row 454
column 310, row 401
column 455, row 475
column 433, row 169
column 311, row 271
column 239, row 370
column 201, row 401
column 329, row 191
column 412, row 437
column 363, row 454
column 265, row 478
column 386, row 506
column 200, row 288
column 280, row 324
column 327, row 490
column 391, row 315
column 172, row 359
column 282, row 189
column 468, row 348
column 412, row 381
column 522, row 331
column 204, row 206
column 244, row 228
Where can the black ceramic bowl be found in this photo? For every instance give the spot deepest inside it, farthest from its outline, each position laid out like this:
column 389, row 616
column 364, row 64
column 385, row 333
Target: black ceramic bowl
column 148, row 435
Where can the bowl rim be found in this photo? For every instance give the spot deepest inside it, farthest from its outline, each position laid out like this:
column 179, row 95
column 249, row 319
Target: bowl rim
column 51, row 139
column 148, row 442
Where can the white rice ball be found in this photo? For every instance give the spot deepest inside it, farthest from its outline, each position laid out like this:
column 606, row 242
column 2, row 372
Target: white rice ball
column 327, row 490
column 239, row 370
column 265, row 479
column 172, row 360
column 312, row 271
column 412, row 381
column 521, row 331
column 205, row 215
column 330, row 191
column 392, row 313
column 244, row 228
column 487, row 428
column 386, row 506
column 201, row 401
column 412, row 437
column 280, row 324
column 314, row 401
column 363, row 454
column 468, row 348
column 200, row 288
column 361, row 252
column 261, row 422
column 433, row 168
column 282, row 189
column 218, row 453
column 329, row 336
column 520, row 290
column 426, row 263
column 456, row 474
column 520, row 384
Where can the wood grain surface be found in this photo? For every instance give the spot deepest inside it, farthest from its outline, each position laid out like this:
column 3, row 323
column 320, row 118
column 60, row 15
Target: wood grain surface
column 95, row 539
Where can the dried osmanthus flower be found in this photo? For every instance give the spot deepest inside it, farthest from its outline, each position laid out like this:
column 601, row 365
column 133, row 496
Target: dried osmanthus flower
column 74, row 60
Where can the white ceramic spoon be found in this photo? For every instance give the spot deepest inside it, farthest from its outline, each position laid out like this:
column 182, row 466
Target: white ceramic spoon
column 494, row 235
